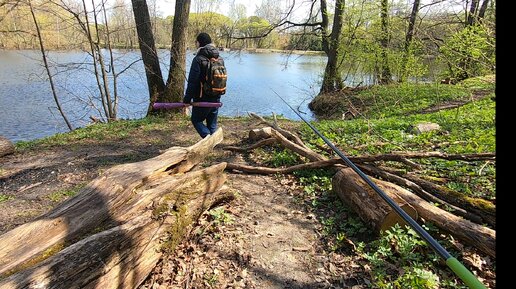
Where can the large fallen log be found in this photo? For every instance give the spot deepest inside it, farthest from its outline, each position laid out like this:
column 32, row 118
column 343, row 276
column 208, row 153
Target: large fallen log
column 110, row 235
column 418, row 190
column 371, row 208
column 354, row 191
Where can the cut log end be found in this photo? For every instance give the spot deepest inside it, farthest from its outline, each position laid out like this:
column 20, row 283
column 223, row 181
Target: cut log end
column 392, row 218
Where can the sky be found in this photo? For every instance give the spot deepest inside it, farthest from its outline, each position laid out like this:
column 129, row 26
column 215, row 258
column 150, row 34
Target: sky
column 167, row 6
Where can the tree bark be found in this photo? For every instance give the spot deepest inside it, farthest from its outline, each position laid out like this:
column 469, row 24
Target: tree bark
column 385, row 74
column 408, row 39
column 135, row 206
column 371, row 208
column 6, row 146
column 177, row 71
column 148, row 49
column 332, row 79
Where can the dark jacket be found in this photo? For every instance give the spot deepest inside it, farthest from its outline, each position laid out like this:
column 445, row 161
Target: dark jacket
column 197, row 73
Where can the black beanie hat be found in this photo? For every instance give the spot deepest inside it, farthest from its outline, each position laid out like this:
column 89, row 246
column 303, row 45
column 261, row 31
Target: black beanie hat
column 203, row 38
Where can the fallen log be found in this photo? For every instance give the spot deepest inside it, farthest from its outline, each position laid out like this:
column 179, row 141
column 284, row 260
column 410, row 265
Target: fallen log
column 481, row 207
column 6, row 146
column 134, row 206
column 122, row 256
column 371, row 208
column 388, row 176
column 354, row 191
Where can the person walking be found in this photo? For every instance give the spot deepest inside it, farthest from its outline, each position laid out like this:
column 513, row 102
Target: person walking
column 194, row 89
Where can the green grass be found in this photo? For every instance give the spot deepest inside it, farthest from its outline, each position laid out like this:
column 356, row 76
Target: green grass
column 400, row 258
column 466, row 129
column 101, row 132
column 4, row 197
column 63, row 194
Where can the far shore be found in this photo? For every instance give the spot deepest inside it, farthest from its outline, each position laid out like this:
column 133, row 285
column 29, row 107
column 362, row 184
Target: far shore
column 248, row 50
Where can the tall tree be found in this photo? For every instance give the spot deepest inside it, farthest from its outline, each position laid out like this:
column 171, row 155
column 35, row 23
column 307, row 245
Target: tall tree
column 177, row 71
column 148, row 49
column 332, row 79
column 476, row 12
column 385, row 73
column 408, row 39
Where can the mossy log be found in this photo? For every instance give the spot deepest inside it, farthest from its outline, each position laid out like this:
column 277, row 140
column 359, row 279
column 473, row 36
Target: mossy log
column 481, row 207
column 112, row 233
column 354, row 191
column 6, row 146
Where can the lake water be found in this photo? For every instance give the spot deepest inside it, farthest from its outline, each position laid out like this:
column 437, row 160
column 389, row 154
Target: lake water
column 28, row 110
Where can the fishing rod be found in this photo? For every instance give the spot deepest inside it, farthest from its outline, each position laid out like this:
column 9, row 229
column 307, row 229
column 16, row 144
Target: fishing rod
column 464, row 274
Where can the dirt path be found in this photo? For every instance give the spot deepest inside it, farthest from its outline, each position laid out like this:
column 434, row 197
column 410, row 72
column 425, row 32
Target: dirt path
column 269, row 243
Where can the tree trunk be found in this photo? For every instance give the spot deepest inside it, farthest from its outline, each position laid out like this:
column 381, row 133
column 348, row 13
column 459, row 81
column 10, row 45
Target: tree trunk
column 482, row 11
column 385, row 74
column 6, row 146
column 136, row 207
column 177, row 71
column 332, row 79
column 408, row 39
column 148, row 49
column 371, row 208
column 472, row 15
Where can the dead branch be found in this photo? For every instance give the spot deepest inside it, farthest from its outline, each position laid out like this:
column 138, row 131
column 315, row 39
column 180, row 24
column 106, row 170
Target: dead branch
column 260, row 143
column 301, row 150
column 267, row 170
column 481, row 207
column 399, row 156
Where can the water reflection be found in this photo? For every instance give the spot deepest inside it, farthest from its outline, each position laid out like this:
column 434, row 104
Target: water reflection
column 28, row 110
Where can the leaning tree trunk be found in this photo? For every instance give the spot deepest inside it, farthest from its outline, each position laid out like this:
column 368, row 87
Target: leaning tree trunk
column 113, row 232
column 354, row 191
column 150, row 58
column 6, row 146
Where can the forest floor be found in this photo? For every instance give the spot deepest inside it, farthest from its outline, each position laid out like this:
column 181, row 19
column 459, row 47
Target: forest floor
column 265, row 238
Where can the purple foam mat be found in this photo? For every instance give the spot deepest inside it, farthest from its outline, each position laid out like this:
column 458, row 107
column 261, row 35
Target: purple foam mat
column 170, row 105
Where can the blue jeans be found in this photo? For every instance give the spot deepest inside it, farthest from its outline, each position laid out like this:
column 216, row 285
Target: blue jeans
column 201, row 114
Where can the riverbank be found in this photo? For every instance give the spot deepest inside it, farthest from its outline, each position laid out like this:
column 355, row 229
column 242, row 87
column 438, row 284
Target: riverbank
column 285, row 230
